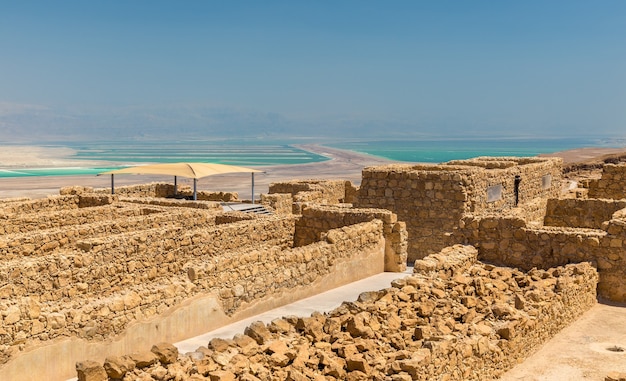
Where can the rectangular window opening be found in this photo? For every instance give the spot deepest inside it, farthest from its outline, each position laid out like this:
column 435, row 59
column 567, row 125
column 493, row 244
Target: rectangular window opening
column 546, row 181
column 494, row 193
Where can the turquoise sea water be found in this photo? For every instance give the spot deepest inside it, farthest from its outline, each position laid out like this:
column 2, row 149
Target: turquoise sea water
column 441, row 150
column 114, row 155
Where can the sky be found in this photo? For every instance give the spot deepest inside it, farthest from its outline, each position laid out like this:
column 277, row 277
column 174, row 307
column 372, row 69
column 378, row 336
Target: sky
column 304, row 67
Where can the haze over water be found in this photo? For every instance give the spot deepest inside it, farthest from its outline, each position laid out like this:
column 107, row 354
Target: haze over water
column 256, row 152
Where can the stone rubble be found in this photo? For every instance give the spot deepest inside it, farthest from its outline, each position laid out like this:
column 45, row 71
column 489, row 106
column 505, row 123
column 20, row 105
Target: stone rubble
column 454, row 319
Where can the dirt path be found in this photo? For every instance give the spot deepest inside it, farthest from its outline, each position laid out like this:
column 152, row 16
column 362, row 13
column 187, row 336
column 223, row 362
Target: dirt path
column 586, row 350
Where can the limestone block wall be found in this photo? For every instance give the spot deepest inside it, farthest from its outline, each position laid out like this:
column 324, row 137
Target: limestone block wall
column 40, row 242
column 581, row 213
column 540, row 179
column 509, row 241
column 281, row 203
column 173, row 202
column 28, row 222
column 139, row 190
column 429, row 199
column 451, row 321
column 111, row 285
column 432, row 199
column 612, row 184
column 305, row 192
column 161, row 190
column 317, row 220
column 48, row 204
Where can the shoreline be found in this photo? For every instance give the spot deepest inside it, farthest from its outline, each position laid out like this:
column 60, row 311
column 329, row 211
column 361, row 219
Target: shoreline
column 343, row 164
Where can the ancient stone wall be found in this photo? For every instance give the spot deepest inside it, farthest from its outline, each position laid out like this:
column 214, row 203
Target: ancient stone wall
column 173, row 202
column 612, row 184
column 432, row 199
column 317, row 220
column 138, row 190
column 305, row 192
column 48, row 204
column 281, row 203
column 510, row 241
column 38, row 242
column 106, row 279
column 455, row 320
column 581, row 213
column 31, row 222
column 429, row 199
column 161, row 190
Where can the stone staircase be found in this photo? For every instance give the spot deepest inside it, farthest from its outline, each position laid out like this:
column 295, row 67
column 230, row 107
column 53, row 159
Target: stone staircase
column 247, row 208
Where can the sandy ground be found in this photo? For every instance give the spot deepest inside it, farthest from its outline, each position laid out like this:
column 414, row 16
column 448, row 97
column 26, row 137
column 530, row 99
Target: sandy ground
column 583, row 155
column 579, row 352
column 588, row 349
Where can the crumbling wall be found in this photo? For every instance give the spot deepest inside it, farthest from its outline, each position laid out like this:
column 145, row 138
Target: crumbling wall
column 581, row 213
column 429, row 199
column 454, row 320
column 305, row 192
column 112, row 285
column 539, row 179
column 432, row 199
column 173, row 202
column 317, row 220
column 40, row 242
column 48, row 204
column 31, row 222
column 510, row 241
column 162, row 190
column 281, row 203
column 612, row 184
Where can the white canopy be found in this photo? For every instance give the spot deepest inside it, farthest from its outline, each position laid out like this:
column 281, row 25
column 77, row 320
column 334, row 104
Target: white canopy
column 190, row 170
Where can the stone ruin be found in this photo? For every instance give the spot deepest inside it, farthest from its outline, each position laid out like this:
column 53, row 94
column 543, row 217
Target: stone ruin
column 103, row 277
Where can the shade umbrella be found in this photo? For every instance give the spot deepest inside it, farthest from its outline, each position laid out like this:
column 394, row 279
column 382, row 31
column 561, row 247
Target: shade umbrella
column 194, row 171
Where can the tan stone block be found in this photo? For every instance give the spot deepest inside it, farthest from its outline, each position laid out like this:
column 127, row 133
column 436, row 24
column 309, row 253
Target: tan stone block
column 90, row 371
column 12, row 315
column 116, row 367
column 117, row 305
column 259, row 332
column 166, row 352
column 357, row 363
column 37, row 327
column 131, row 300
column 143, row 359
column 222, row 375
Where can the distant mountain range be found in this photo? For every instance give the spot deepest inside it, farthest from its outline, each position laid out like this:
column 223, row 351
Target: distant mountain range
column 26, row 123
column 22, row 123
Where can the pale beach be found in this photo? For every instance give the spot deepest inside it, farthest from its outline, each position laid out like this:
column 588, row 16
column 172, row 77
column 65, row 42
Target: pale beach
column 342, row 164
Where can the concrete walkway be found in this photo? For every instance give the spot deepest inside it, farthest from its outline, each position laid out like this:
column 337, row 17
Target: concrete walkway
column 323, row 302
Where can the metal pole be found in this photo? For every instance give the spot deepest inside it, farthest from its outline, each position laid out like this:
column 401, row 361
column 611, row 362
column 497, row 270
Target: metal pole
column 252, row 187
column 175, row 186
column 112, row 184
column 195, row 193
column 518, row 180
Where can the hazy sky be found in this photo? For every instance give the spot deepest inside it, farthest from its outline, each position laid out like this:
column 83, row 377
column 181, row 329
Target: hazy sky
column 531, row 66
